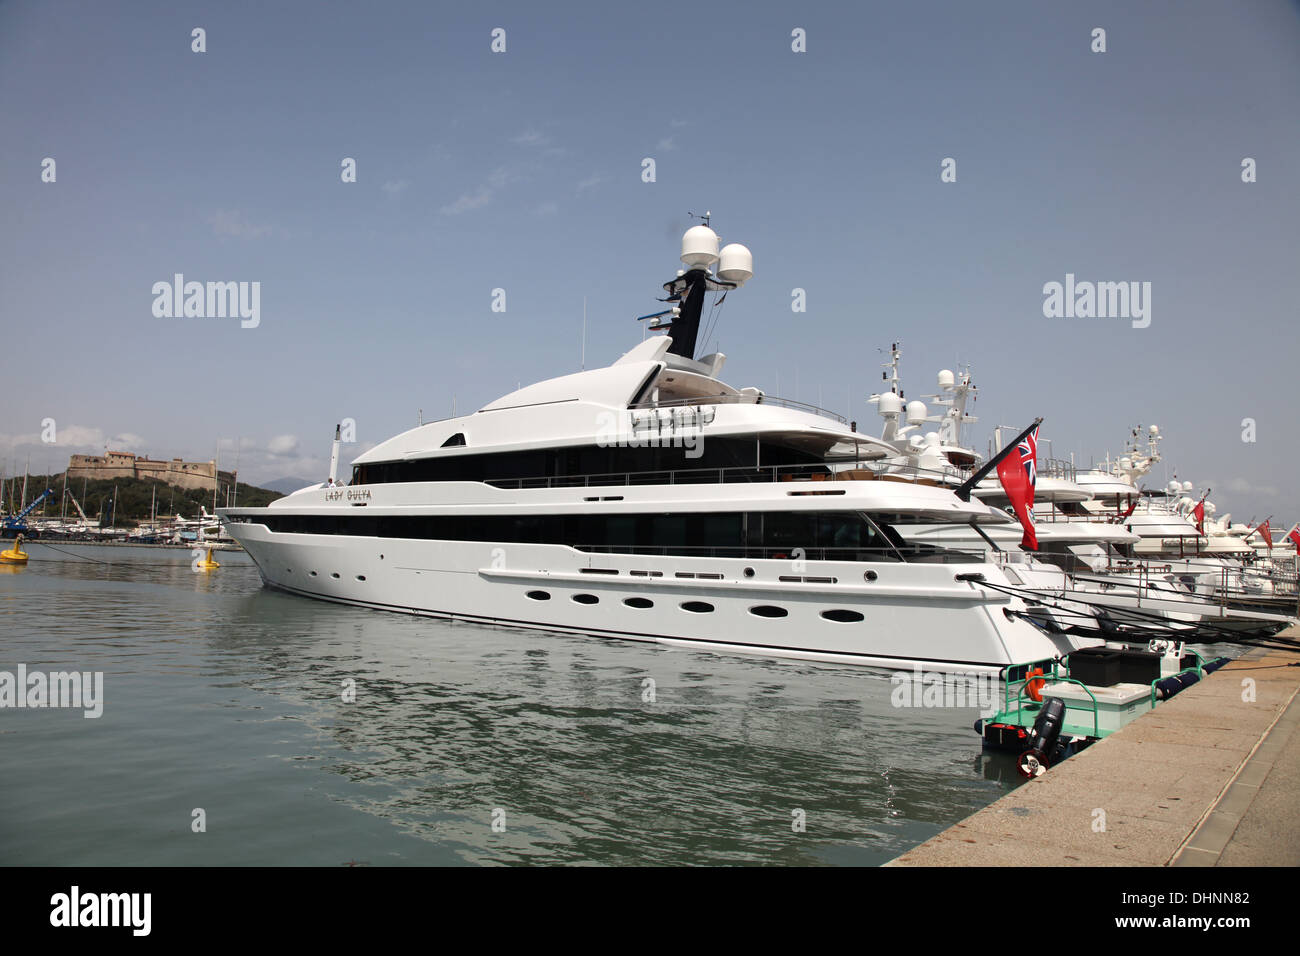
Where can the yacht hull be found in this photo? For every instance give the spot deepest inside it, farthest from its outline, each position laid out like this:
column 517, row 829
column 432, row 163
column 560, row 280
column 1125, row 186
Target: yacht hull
column 813, row 610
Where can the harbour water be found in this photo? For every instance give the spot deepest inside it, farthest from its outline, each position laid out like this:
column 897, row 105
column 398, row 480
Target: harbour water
column 465, row 745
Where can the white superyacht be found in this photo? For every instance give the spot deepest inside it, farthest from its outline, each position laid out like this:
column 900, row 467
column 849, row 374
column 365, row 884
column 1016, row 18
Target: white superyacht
column 650, row 500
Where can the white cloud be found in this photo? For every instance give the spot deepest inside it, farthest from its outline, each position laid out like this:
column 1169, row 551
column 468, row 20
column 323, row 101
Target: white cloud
column 667, row 144
column 394, row 186
column 482, row 195
column 282, row 445
column 595, row 179
column 73, row 439
column 234, row 224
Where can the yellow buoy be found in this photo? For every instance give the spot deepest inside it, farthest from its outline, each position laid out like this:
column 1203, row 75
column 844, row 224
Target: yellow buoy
column 15, row 556
column 206, row 564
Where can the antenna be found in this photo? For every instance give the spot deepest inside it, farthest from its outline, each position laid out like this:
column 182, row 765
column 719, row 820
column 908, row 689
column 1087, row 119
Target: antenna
column 584, row 333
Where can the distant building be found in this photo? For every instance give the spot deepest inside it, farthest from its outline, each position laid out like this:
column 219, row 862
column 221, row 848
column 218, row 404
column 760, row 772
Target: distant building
column 123, row 464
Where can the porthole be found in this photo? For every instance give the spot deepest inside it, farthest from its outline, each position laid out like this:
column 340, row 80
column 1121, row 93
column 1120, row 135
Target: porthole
column 870, row 576
column 697, row 607
column 335, row 575
column 585, row 599
column 768, row 610
column 539, row 595
column 638, row 602
column 361, row 577
column 843, row 616
column 749, row 572
column 313, row 574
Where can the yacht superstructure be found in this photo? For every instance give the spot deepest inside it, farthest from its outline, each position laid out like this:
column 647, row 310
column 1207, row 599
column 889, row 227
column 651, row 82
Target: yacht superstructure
column 651, row 500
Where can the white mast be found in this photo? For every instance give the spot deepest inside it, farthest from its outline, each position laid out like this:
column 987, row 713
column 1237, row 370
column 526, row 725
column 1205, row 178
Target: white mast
column 334, row 455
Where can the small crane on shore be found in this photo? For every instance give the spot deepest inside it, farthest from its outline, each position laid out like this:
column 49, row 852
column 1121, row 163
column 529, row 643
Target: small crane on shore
column 17, row 523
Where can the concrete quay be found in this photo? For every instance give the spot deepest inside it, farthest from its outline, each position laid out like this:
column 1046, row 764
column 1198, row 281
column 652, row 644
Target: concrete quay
column 1208, row 778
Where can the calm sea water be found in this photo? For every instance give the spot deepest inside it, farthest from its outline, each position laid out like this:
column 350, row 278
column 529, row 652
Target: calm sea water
column 224, row 696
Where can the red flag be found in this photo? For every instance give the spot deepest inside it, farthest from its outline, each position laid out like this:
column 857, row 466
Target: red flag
column 1018, row 472
column 1199, row 513
column 1131, row 505
column 1263, row 529
column 1294, row 536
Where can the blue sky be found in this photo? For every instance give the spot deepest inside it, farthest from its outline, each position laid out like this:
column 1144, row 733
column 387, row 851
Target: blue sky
column 522, row 170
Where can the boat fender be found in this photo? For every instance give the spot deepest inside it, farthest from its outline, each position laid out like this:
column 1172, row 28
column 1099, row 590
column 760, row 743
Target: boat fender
column 1174, row 685
column 1034, row 688
column 1043, row 739
column 1215, row 664
column 1167, row 687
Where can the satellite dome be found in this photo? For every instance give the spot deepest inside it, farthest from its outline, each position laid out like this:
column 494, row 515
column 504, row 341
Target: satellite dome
column 735, row 264
column 916, row 413
column 946, row 378
column 1187, row 486
column 890, row 404
column 1175, row 487
column 699, row 247
column 1154, row 430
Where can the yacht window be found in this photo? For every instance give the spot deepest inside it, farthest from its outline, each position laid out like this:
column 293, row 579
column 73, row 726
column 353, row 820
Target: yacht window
column 843, row 616
column 817, row 535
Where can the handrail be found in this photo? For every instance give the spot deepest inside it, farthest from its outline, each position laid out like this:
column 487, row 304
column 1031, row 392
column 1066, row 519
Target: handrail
column 834, row 471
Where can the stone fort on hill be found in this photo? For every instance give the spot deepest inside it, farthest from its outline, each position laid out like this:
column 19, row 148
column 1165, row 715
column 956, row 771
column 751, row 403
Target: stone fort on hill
column 124, row 464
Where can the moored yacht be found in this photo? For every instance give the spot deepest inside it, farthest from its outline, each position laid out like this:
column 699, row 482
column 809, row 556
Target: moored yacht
column 652, row 500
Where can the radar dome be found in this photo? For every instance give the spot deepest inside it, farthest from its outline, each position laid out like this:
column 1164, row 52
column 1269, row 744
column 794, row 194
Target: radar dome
column 890, row 404
column 1175, row 487
column 946, row 378
column 735, row 264
column 699, row 247
column 1154, row 430
column 916, row 413
column 1187, row 486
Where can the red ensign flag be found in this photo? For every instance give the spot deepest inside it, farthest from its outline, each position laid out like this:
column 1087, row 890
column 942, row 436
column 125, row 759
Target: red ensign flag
column 1018, row 472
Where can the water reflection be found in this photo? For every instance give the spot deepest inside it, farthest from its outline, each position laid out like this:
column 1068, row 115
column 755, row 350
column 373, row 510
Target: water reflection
column 455, row 725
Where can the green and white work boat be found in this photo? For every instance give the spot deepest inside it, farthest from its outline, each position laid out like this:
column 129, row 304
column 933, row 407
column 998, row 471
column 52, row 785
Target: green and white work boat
column 1054, row 708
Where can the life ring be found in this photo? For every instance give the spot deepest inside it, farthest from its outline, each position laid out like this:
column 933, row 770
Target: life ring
column 1034, row 688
